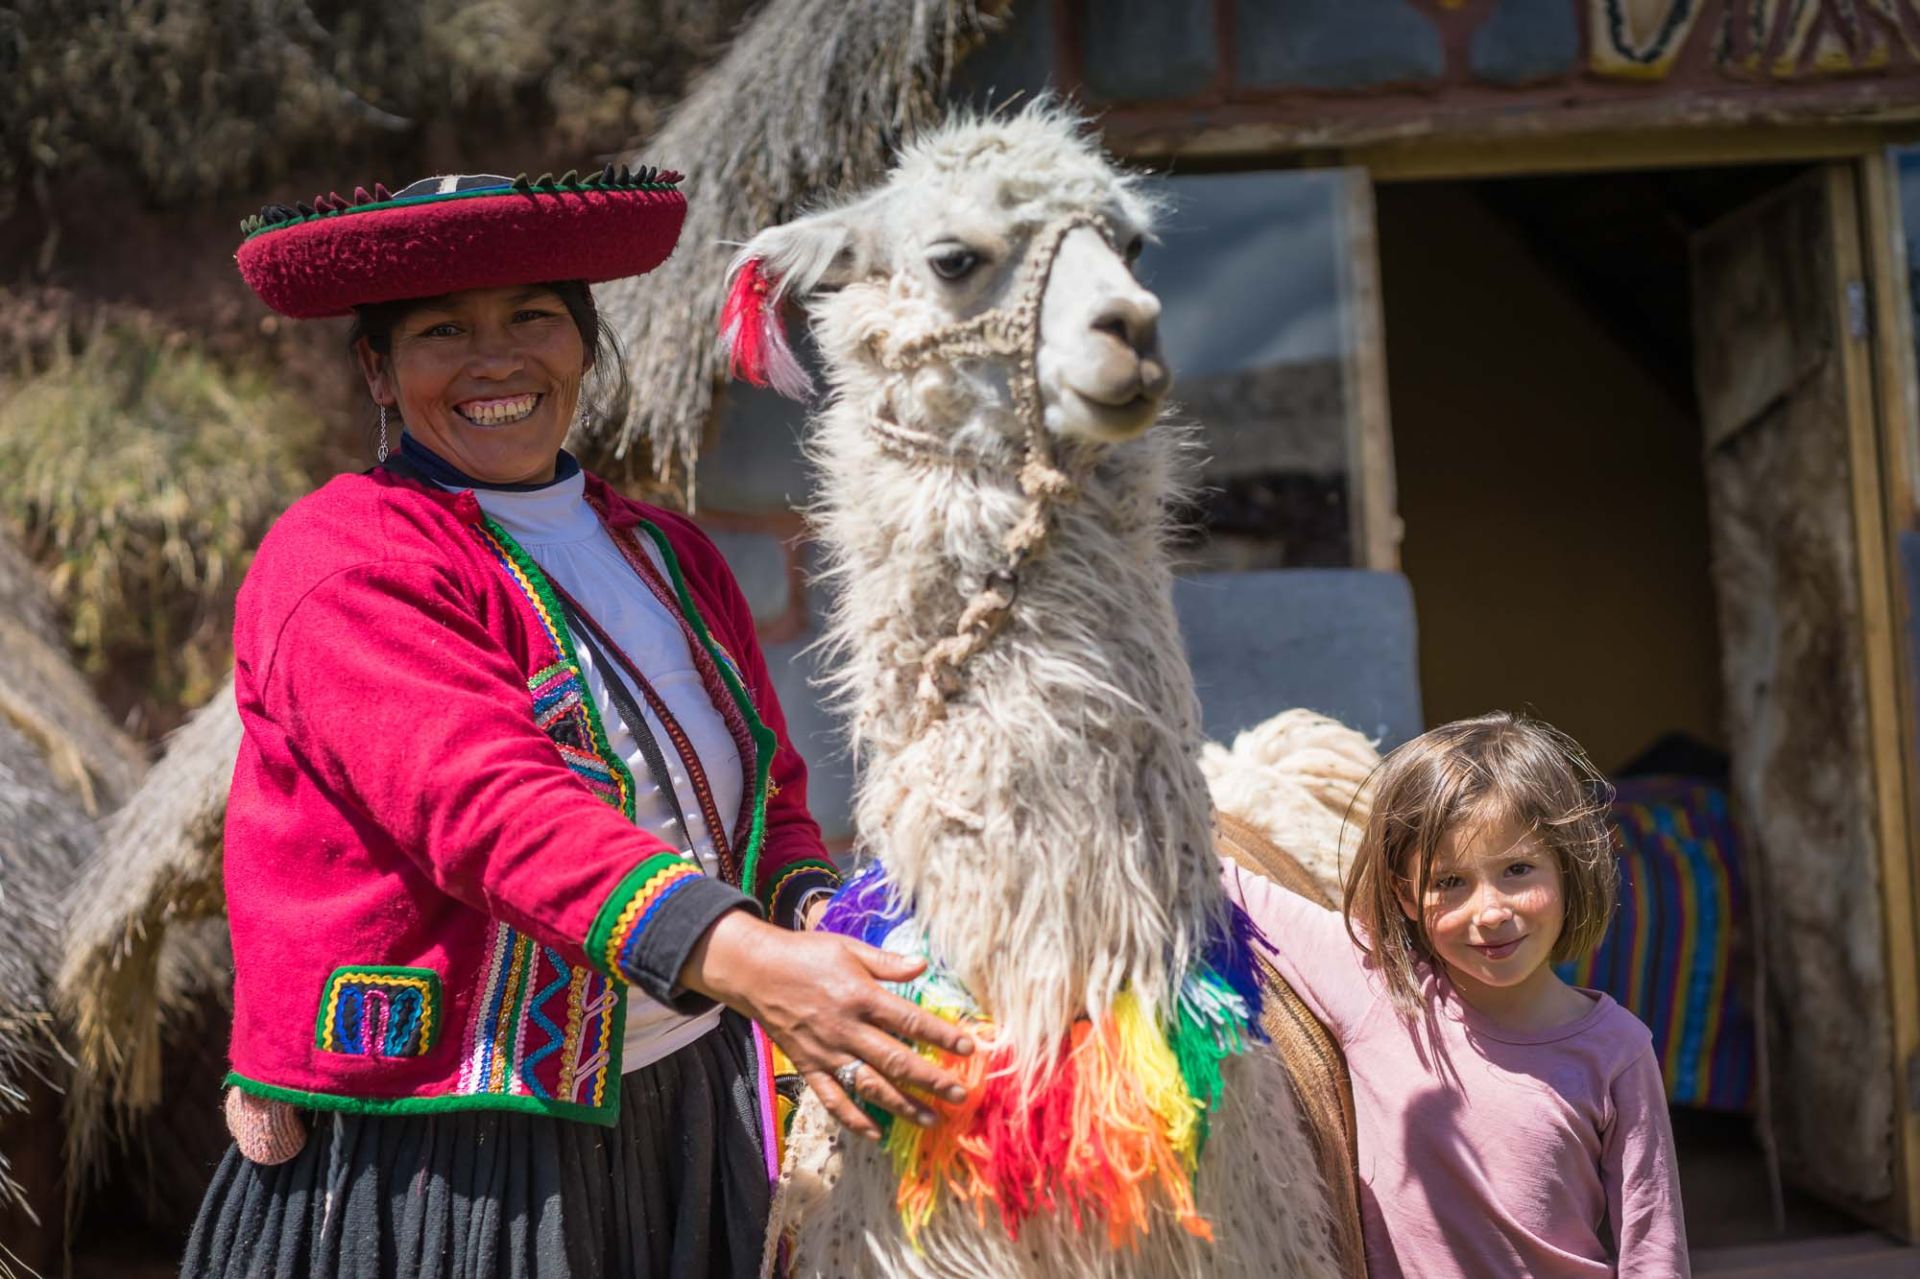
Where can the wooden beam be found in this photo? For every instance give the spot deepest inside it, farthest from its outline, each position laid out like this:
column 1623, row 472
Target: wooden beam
column 1646, row 149
column 1894, row 363
column 1897, row 403
column 1889, row 747
column 1551, row 131
column 1376, row 506
column 1424, row 156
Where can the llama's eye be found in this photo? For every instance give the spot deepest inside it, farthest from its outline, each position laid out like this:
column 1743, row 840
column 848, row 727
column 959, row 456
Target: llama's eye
column 953, row 264
column 1134, row 248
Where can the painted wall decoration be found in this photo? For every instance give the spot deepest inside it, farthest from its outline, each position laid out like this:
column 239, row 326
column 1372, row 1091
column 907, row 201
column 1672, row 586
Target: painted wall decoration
column 1648, row 39
column 1212, row 52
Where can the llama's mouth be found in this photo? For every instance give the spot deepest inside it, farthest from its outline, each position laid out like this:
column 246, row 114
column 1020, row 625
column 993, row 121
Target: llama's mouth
column 1114, row 421
column 504, row 411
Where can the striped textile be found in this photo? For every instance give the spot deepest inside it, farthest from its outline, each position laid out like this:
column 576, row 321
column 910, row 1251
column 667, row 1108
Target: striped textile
column 1678, row 953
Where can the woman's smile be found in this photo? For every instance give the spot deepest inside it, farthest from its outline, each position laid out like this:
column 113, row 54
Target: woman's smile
column 501, row 411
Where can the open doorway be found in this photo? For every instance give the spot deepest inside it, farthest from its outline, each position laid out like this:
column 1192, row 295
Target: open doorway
column 1559, row 536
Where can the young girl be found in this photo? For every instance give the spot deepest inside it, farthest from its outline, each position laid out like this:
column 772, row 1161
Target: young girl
column 1509, row 1124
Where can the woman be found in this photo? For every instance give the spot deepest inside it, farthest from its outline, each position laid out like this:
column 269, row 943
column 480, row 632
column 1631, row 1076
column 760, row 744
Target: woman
column 516, row 837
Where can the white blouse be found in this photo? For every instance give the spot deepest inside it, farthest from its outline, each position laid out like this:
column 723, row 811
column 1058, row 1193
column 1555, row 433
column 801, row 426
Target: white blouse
column 566, row 539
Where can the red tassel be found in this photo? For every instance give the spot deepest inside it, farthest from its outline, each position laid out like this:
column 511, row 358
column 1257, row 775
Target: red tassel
column 756, row 336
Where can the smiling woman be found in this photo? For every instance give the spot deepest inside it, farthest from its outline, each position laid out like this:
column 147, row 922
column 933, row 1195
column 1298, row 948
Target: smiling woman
column 518, row 854
column 487, row 378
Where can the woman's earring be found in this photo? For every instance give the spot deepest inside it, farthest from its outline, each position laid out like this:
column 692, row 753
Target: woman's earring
column 380, row 454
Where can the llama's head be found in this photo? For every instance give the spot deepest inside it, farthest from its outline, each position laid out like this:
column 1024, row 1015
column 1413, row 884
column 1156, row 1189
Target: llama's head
column 966, row 227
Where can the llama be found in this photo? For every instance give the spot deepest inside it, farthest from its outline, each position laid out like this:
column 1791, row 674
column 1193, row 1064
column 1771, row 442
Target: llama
column 1298, row 780
column 993, row 509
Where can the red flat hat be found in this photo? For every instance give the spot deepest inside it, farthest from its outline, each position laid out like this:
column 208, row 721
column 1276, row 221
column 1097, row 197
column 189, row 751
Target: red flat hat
column 441, row 235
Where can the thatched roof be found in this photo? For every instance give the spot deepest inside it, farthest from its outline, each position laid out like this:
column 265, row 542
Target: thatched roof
column 61, row 761
column 811, row 98
column 43, row 836
column 195, row 99
column 131, row 960
column 135, row 464
column 45, row 701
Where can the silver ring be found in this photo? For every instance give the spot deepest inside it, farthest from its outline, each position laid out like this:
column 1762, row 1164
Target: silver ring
column 845, row 1073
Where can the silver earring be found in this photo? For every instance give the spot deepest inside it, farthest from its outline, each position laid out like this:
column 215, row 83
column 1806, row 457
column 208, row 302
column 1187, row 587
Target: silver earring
column 380, row 454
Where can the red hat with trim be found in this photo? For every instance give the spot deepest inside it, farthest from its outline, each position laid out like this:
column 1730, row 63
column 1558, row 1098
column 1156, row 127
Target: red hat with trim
column 473, row 231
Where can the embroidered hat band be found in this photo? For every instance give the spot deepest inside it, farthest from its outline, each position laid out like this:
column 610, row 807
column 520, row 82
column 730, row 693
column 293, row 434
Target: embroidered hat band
column 472, row 231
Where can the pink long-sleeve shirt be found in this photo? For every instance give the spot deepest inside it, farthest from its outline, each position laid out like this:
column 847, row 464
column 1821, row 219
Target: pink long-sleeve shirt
column 1487, row 1153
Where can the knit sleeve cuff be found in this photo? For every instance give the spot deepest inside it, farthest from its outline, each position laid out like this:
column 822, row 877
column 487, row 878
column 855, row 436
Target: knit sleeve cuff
column 647, row 928
column 791, row 886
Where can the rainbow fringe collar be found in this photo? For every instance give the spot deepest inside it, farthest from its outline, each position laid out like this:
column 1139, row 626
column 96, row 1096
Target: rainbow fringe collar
column 1125, row 1109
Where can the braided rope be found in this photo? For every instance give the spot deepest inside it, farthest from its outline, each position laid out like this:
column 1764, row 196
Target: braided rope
column 1012, row 330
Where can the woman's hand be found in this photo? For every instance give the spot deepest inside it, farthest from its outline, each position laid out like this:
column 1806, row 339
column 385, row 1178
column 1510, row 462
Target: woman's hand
column 819, row 996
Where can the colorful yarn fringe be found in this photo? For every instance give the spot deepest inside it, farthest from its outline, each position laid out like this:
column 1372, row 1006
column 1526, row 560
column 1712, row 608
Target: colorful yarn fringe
column 1122, row 1115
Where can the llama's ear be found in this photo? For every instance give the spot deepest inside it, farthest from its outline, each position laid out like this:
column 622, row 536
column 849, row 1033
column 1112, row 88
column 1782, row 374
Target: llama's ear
column 820, row 252
column 798, row 260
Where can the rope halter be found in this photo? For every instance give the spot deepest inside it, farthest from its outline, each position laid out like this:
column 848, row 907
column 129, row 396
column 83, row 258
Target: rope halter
column 1012, row 330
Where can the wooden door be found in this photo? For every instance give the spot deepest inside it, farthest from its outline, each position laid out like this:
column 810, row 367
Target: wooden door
column 1783, row 322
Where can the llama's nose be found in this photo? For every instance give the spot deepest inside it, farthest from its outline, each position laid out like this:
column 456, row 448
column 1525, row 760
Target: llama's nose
column 1133, row 320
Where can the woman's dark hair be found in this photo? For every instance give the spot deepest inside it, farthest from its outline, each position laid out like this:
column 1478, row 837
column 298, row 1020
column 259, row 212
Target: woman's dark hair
column 604, row 389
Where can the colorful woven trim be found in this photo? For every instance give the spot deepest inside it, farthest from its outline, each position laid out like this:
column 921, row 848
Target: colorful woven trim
column 560, row 703
column 613, row 177
column 1115, row 1127
column 375, row 1011
column 793, row 882
column 623, row 919
column 541, row 1028
column 727, row 688
column 1669, row 954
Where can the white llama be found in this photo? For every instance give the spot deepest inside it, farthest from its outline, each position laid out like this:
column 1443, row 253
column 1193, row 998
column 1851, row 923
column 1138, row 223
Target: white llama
column 993, row 508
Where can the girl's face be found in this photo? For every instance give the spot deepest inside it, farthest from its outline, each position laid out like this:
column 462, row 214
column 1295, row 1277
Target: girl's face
column 1494, row 907
column 486, row 378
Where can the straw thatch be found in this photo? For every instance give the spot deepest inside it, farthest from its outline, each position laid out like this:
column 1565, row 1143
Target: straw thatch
column 44, row 700
column 143, row 471
column 43, row 836
column 134, row 959
column 185, row 100
column 810, row 99
column 61, row 762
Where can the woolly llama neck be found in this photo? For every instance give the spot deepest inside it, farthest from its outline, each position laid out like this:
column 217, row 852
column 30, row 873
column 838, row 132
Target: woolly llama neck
column 1052, row 829
column 1048, row 821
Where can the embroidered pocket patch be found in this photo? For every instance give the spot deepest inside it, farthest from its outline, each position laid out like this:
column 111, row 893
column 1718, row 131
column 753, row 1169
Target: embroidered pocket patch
column 375, row 1011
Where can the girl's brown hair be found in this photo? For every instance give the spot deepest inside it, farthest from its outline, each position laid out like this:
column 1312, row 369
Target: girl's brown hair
column 1498, row 767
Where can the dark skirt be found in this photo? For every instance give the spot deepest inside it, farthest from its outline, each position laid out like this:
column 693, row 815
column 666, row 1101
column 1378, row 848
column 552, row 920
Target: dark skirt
column 677, row 1188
